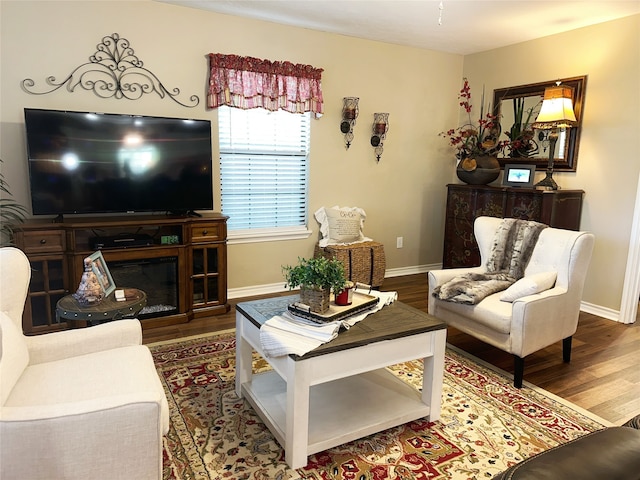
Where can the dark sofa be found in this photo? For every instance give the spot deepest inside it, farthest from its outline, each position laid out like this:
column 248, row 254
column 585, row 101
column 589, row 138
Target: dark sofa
column 609, row 454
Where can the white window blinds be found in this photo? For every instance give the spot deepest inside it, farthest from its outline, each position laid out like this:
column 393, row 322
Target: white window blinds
column 263, row 168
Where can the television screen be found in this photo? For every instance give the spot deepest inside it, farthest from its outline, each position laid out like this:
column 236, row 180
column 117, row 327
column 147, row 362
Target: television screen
column 83, row 162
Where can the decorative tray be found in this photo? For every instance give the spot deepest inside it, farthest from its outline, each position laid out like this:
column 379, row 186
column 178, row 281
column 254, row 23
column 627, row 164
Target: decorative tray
column 361, row 302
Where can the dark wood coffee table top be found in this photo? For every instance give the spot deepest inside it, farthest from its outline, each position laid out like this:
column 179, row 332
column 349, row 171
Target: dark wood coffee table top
column 393, row 321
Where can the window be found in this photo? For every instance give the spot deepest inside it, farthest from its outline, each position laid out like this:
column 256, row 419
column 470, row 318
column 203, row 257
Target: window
column 264, row 171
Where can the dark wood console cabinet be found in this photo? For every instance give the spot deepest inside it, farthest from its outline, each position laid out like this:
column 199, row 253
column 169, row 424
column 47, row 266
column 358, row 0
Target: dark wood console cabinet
column 556, row 208
column 196, row 246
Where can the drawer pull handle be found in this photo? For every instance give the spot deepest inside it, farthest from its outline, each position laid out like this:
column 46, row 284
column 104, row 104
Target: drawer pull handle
column 43, row 241
column 204, row 232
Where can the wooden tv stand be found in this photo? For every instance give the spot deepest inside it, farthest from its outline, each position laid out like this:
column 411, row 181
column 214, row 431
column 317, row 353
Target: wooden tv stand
column 56, row 251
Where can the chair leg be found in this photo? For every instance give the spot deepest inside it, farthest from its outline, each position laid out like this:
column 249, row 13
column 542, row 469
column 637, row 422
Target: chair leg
column 566, row 349
column 518, row 371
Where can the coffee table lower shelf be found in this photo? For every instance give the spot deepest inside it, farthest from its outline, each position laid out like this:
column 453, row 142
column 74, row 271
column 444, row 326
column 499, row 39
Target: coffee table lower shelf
column 341, row 410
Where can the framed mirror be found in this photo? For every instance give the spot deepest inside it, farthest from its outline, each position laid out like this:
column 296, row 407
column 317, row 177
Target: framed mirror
column 517, row 108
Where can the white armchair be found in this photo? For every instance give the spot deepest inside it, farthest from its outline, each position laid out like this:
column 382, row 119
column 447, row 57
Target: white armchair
column 537, row 316
column 77, row 404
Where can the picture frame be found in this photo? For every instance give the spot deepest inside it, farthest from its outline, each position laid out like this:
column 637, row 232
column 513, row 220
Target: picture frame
column 519, row 176
column 100, row 269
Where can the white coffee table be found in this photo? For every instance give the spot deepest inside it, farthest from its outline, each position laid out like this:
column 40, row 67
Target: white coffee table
column 340, row 391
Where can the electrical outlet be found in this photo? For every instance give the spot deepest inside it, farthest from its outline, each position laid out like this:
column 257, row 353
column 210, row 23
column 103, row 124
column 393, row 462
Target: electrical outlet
column 399, row 241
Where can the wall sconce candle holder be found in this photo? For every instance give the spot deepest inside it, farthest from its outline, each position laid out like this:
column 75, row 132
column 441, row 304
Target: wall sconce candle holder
column 380, row 129
column 349, row 115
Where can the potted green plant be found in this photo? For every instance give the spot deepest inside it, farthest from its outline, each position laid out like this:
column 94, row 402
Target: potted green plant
column 11, row 212
column 316, row 277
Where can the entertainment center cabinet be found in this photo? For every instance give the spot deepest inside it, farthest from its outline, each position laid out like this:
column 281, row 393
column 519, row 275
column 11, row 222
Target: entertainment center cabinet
column 181, row 260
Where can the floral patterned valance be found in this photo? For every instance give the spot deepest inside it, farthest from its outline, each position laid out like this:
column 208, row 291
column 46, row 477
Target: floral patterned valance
column 246, row 82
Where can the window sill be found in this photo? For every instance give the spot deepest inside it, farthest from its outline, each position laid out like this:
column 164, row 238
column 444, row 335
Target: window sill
column 267, row 235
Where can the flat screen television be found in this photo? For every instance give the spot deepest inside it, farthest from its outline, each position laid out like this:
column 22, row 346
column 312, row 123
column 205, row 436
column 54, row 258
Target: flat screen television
column 81, row 162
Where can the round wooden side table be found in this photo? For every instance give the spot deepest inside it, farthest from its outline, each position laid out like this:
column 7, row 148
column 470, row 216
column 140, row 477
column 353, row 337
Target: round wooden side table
column 107, row 310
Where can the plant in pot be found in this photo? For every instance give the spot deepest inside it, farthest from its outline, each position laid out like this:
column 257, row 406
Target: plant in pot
column 476, row 145
column 11, row 212
column 316, row 277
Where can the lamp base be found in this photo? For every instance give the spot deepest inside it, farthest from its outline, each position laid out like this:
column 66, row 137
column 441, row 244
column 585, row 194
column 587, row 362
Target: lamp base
column 547, row 181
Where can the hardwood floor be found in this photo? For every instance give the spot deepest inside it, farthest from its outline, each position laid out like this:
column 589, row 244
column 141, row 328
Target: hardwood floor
column 602, row 377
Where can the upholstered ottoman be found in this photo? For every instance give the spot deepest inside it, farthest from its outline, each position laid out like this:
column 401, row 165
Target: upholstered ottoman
column 364, row 262
column 612, row 454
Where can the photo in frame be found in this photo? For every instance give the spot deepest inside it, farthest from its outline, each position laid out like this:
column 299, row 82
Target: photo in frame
column 516, row 175
column 99, row 267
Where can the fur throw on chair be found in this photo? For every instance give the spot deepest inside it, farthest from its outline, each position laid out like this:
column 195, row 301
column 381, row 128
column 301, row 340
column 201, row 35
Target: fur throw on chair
column 512, row 247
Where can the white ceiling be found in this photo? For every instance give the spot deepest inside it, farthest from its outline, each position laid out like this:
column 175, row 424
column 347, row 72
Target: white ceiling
column 466, row 26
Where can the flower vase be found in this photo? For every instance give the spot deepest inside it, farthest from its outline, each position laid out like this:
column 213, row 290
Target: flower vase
column 478, row 170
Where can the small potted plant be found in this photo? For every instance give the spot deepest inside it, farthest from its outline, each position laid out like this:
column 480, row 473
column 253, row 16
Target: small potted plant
column 316, row 277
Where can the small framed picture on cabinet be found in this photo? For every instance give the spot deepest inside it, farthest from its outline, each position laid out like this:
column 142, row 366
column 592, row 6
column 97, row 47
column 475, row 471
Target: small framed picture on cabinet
column 99, row 267
column 518, row 175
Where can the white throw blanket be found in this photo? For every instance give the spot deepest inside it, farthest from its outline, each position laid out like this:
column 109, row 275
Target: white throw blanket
column 287, row 334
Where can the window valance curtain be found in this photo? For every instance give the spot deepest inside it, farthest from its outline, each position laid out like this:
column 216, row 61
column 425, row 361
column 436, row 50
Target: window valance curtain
column 247, row 82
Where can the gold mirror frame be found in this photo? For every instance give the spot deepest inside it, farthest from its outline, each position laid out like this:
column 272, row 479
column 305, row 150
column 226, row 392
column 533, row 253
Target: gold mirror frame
column 569, row 160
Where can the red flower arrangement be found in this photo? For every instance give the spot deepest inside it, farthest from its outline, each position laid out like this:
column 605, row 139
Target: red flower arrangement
column 470, row 140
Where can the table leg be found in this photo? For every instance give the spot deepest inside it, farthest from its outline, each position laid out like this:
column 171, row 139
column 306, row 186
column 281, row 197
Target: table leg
column 297, row 414
column 244, row 365
column 433, row 374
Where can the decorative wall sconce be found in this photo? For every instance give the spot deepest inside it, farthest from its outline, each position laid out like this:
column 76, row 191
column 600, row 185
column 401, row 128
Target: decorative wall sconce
column 349, row 115
column 380, row 129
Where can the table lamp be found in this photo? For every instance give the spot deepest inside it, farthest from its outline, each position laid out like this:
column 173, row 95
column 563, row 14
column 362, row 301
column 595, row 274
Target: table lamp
column 556, row 113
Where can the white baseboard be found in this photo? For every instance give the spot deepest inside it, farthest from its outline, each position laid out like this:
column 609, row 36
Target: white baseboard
column 399, row 272
column 599, row 311
column 266, row 289
column 256, row 290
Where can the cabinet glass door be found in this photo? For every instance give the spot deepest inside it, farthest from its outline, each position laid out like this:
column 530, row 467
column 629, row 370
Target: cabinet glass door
column 45, row 289
column 205, row 278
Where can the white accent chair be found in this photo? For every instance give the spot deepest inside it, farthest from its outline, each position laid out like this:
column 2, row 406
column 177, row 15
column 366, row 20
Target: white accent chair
column 541, row 316
column 78, row 404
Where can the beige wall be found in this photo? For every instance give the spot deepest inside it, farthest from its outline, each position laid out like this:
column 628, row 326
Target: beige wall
column 608, row 160
column 403, row 195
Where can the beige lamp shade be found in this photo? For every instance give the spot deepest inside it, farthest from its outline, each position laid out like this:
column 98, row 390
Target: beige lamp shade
column 557, row 108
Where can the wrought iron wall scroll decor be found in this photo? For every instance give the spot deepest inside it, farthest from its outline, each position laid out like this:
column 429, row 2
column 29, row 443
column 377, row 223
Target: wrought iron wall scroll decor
column 113, row 71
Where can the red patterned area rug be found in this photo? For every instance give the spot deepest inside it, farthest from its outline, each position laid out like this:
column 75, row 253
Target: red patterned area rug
column 485, row 426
